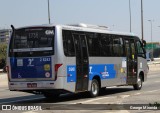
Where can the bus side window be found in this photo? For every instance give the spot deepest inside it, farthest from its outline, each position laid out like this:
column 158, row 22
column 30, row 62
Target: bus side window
column 118, row 46
column 93, row 44
column 68, row 44
column 140, row 50
column 105, row 45
column 127, row 48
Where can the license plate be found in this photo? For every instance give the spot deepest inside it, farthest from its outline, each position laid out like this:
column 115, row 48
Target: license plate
column 31, row 85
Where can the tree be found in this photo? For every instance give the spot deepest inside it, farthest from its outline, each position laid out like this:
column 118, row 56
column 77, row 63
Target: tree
column 3, row 51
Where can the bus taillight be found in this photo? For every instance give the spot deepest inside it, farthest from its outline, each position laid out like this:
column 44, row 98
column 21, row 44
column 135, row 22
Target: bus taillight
column 56, row 69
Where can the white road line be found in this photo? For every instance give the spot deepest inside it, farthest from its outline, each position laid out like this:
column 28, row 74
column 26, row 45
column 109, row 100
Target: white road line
column 146, row 92
column 3, row 89
column 137, row 93
column 152, row 76
column 29, row 112
column 91, row 100
column 152, row 91
column 111, row 87
column 156, row 81
column 20, row 100
column 124, row 96
column 117, row 111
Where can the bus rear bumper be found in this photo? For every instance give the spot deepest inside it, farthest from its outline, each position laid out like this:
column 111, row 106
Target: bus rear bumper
column 38, row 85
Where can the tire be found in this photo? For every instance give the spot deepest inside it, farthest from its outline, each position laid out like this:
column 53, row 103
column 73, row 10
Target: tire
column 138, row 86
column 94, row 88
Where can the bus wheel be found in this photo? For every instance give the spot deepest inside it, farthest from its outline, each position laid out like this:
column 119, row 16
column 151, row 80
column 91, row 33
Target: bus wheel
column 94, row 88
column 138, row 85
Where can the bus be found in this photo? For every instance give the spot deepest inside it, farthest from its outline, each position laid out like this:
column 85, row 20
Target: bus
column 59, row 59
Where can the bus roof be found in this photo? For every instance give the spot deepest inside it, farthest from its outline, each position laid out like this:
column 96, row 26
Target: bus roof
column 84, row 27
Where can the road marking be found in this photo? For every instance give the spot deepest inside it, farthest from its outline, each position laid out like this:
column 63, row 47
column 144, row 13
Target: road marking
column 29, row 112
column 3, row 89
column 137, row 93
column 124, row 96
column 117, row 111
column 111, row 87
column 156, row 81
column 91, row 100
column 20, row 100
column 96, row 99
column 152, row 76
column 152, row 91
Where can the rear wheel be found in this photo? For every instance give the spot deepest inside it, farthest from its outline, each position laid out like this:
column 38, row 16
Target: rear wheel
column 94, row 88
column 138, row 86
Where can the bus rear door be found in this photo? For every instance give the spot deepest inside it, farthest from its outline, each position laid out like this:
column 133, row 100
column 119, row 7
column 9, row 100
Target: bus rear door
column 82, row 62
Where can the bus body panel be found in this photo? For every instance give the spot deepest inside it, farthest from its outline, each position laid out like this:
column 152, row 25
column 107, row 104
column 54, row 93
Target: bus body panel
column 115, row 67
column 142, row 67
column 69, row 68
column 115, row 72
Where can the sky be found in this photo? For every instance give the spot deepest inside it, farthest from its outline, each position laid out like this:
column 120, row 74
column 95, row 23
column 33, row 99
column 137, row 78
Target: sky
column 111, row 13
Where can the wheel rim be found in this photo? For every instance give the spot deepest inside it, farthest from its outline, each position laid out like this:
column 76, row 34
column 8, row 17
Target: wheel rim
column 94, row 88
column 139, row 82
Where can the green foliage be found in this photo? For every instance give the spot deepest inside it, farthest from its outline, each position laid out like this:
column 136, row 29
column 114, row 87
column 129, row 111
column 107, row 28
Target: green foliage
column 3, row 51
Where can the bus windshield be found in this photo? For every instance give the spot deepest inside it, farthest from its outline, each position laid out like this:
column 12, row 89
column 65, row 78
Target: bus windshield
column 32, row 41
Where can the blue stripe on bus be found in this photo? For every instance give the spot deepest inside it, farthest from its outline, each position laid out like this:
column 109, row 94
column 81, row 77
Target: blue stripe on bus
column 104, row 71
column 71, row 73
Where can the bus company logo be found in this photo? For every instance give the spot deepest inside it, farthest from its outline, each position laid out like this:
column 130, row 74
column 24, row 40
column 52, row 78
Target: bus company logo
column 90, row 69
column 30, row 60
column 105, row 73
column 49, row 32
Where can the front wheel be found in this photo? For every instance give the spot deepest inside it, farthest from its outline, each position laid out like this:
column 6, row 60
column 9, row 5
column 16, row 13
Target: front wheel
column 138, row 85
column 94, row 88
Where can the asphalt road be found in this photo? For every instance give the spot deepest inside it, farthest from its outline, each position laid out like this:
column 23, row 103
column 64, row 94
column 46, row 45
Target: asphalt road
column 150, row 93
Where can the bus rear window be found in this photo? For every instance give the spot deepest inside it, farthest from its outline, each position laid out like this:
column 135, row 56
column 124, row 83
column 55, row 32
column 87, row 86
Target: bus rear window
column 38, row 41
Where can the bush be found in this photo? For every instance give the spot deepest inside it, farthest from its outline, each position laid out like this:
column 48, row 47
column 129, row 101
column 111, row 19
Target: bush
column 3, row 51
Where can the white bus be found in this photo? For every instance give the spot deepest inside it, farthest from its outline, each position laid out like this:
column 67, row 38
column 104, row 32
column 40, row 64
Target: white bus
column 57, row 59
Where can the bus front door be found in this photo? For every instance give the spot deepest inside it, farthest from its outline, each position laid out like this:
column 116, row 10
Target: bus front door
column 82, row 63
column 131, row 61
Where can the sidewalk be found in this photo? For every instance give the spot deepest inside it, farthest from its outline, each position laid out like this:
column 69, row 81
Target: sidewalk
column 3, row 80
